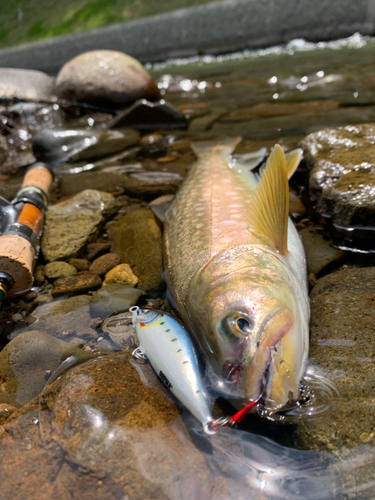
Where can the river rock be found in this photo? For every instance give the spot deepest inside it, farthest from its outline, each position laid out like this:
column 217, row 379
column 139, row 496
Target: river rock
column 59, row 146
column 28, row 360
column 81, row 283
column 69, row 225
column 80, row 264
column 105, row 78
column 146, row 116
column 95, row 250
column 62, row 318
column 58, row 269
column 113, row 298
column 147, row 185
column 25, row 84
column 319, row 252
column 121, row 274
column 102, row 265
column 121, row 332
column 39, row 275
column 342, row 180
column 137, row 239
column 343, row 345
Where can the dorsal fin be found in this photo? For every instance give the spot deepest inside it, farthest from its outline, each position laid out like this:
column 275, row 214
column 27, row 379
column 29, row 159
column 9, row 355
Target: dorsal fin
column 270, row 203
column 293, row 159
column 227, row 146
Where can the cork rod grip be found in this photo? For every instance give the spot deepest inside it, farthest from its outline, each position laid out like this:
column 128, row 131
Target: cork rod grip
column 38, row 176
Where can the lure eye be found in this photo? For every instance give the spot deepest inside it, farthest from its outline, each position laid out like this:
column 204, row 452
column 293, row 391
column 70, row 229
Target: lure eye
column 236, row 326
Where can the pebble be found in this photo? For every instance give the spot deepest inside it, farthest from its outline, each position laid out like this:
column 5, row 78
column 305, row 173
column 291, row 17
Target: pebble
column 70, row 224
column 80, row 264
column 113, row 298
column 80, row 283
column 105, row 78
column 25, row 360
column 146, row 116
column 319, row 252
column 121, row 274
column 25, row 84
column 95, row 250
column 102, row 265
column 58, row 269
column 39, row 275
column 137, row 239
column 59, row 146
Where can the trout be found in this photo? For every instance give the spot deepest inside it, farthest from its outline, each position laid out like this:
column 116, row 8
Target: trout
column 236, row 272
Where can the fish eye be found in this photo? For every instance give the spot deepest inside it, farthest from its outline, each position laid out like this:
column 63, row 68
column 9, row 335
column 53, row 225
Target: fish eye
column 236, row 326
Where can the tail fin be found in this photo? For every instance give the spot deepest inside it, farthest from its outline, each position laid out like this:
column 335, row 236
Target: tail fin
column 227, row 146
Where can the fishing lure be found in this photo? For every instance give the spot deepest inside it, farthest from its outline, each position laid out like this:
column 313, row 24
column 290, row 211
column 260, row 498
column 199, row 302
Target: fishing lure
column 167, row 345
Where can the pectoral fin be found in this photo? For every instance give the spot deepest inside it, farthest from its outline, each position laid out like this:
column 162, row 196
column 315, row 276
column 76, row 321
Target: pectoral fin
column 270, row 204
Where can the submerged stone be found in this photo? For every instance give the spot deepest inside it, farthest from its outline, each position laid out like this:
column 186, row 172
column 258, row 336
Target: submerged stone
column 69, row 225
column 105, row 78
column 113, row 298
column 146, row 116
column 319, row 252
column 59, row 146
column 343, row 345
column 342, row 182
column 102, row 265
column 80, row 283
column 27, row 362
column 59, row 269
column 121, row 274
column 137, row 239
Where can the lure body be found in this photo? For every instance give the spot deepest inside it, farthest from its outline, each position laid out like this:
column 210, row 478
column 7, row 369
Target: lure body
column 171, row 353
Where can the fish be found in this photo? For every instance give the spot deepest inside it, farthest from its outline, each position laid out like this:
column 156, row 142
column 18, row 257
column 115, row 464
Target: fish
column 236, row 272
column 167, row 345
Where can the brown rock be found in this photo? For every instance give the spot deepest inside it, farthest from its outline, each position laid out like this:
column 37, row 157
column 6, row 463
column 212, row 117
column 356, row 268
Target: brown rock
column 102, row 265
column 39, row 275
column 105, row 78
column 95, row 250
column 80, row 264
column 80, row 283
column 58, row 269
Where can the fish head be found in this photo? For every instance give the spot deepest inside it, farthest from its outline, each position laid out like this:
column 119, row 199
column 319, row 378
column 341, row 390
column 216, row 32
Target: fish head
column 249, row 323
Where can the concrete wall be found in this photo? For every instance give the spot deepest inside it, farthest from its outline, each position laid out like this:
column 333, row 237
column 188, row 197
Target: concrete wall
column 212, row 28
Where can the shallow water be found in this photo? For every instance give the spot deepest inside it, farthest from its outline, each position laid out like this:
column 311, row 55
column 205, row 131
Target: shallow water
column 275, row 95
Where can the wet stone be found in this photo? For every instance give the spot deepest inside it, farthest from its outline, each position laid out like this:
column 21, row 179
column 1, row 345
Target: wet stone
column 137, row 239
column 342, row 181
column 62, row 317
column 58, row 269
column 69, row 225
column 343, row 345
column 95, row 250
column 113, row 298
column 25, row 84
column 27, row 361
column 80, row 264
column 39, row 275
column 122, row 332
column 121, row 274
column 105, row 78
column 146, row 116
column 102, row 265
column 319, row 252
column 80, row 283
column 58, row 146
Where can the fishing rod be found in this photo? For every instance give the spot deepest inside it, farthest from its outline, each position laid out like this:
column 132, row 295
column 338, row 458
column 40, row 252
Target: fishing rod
column 21, row 222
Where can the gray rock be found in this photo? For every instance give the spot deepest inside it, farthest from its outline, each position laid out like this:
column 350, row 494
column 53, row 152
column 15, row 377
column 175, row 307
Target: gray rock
column 342, row 180
column 137, row 239
column 147, row 185
column 69, row 225
column 105, row 78
column 146, row 116
column 59, row 146
column 343, row 345
column 62, row 318
column 59, row 269
column 28, row 360
column 319, row 252
column 25, row 84
column 112, row 299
